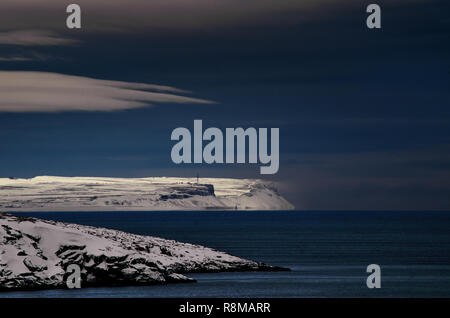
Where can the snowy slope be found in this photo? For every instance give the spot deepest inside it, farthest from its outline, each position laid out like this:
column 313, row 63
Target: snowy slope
column 47, row 193
column 35, row 253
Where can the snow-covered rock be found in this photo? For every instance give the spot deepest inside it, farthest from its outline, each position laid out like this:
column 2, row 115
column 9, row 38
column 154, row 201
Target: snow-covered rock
column 47, row 193
column 34, row 254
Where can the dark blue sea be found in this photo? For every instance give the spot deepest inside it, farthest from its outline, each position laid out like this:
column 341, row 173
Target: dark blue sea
column 328, row 252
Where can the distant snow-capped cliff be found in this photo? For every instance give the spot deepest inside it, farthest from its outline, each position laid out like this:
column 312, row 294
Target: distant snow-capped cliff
column 34, row 254
column 47, row 193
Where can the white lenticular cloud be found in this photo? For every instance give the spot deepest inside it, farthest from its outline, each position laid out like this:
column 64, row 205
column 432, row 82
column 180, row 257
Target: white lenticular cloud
column 53, row 92
column 34, row 37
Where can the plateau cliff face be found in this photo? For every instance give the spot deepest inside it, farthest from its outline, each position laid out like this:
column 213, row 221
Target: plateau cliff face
column 108, row 194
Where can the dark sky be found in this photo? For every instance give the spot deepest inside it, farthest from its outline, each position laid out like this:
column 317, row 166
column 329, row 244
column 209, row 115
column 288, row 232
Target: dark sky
column 364, row 115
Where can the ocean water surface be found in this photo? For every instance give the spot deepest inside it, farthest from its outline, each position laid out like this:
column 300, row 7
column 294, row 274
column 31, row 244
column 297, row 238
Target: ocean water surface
column 328, row 252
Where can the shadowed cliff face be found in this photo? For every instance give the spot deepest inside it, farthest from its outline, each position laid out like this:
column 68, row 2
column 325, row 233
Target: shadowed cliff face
column 34, row 254
column 178, row 192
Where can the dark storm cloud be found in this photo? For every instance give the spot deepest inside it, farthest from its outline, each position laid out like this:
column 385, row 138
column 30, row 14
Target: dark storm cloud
column 142, row 14
column 416, row 179
column 179, row 15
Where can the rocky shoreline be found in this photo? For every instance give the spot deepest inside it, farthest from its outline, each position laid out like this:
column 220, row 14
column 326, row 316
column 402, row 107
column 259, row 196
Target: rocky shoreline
column 35, row 254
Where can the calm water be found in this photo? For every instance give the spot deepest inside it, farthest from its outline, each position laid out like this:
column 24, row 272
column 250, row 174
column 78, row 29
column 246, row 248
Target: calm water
column 327, row 251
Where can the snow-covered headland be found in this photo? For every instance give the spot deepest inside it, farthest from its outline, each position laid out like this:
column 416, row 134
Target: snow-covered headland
column 34, row 254
column 48, row 193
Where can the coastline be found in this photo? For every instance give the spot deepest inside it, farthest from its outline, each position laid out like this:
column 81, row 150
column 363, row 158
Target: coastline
column 36, row 254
